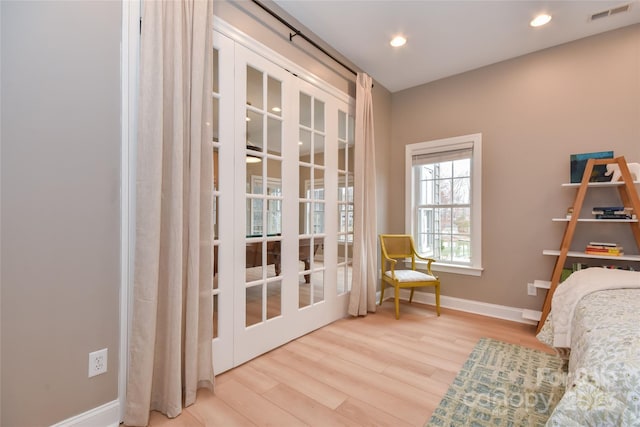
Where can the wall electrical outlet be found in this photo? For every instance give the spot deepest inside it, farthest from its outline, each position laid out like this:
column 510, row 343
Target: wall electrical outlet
column 531, row 290
column 98, row 362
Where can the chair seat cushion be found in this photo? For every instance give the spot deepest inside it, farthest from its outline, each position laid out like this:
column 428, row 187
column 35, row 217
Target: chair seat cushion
column 411, row 276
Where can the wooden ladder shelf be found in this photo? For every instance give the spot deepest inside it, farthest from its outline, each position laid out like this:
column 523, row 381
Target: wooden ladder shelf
column 629, row 197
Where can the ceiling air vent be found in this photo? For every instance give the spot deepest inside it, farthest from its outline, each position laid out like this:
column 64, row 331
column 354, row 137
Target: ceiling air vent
column 610, row 12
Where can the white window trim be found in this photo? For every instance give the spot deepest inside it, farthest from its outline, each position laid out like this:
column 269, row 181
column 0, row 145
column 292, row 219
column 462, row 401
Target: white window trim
column 475, row 269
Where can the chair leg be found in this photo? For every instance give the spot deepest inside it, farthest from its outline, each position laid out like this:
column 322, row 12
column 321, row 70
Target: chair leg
column 381, row 292
column 438, row 299
column 397, row 298
column 411, row 295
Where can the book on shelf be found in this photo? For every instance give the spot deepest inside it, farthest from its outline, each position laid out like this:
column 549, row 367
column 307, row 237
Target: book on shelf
column 607, row 249
column 614, row 216
column 607, row 244
column 613, row 212
column 608, row 208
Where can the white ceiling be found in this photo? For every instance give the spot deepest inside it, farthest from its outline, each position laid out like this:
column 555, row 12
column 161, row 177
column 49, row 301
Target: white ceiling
column 447, row 37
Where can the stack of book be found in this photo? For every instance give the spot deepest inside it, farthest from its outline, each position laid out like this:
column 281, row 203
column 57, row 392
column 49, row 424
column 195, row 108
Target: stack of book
column 603, row 248
column 613, row 212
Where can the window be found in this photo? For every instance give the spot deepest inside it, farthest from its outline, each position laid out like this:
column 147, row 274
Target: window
column 444, row 202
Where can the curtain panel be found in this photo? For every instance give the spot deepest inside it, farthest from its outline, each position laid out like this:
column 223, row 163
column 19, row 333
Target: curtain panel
column 171, row 331
column 365, row 258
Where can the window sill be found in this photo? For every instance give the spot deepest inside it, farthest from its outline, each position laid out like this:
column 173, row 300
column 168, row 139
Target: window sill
column 455, row 269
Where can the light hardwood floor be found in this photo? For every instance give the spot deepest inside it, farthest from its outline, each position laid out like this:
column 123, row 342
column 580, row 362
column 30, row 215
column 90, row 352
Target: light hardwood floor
column 368, row 371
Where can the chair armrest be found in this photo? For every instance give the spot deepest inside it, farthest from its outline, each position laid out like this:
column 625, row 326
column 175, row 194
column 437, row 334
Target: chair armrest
column 429, row 261
column 393, row 265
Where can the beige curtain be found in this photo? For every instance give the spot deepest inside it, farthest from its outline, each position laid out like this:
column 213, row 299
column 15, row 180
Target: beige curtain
column 170, row 340
column 363, row 287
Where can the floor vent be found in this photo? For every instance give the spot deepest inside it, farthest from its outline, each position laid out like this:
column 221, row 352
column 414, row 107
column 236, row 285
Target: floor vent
column 610, row 12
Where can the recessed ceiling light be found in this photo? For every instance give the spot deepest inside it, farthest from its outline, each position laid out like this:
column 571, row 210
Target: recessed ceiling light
column 540, row 20
column 398, row 41
column 276, row 109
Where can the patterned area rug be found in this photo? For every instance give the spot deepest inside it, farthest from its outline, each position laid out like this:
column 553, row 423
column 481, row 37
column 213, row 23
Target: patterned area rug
column 502, row 384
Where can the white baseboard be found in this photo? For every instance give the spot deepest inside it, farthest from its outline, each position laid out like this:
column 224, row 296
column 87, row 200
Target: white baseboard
column 107, row 415
column 469, row 306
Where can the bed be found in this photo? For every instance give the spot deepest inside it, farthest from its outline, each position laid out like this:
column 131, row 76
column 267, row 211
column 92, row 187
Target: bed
column 595, row 322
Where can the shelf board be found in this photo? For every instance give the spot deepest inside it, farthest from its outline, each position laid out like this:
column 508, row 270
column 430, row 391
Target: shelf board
column 576, row 254
column 598, row 184
column 594, row 220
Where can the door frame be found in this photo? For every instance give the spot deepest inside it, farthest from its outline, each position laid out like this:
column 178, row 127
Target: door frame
column 129, row 78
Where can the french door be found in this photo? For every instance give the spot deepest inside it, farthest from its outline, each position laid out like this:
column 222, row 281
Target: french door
column 282, row 206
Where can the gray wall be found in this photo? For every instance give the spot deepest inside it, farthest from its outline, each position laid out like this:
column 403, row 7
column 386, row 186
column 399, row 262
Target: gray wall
column 533, row 112
column 60, row 206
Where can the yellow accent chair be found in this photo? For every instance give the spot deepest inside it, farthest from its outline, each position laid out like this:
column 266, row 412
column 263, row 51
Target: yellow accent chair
column 395, row 247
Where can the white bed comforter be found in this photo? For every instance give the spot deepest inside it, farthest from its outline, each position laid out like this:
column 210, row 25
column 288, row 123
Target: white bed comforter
column 577, row 285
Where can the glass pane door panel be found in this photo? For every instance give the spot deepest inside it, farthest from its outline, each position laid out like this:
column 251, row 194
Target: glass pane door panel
column 318, row 184
column 255, row 134
column 305, row 254
column 304, row 146
column 351, row 132
column 215, row 119
column 350, row 158
column 274, row 177
column 318, row 149
column 305, row 182
column 255, row 225
column 274, row 258
column 305, row 110
column 216, row 315
column 216, row 73
column 253, row 305
column 274, row 96
column 342, row 250
column 216, row 265
column 254, row 268
column 342, row 156
column 342, row 279
column 254, row 87
column 342, row 125
column 254, row 178
column 318, row 252
column 305, row 218
column 216, row 168
column 310, row 288
column 318, row 217
column 216, row 217
column 274, row 299
column 274, row 136
column 342, row 221
column 274, row 217
column 342, row 187
column 304, row 291
column 318, row 115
